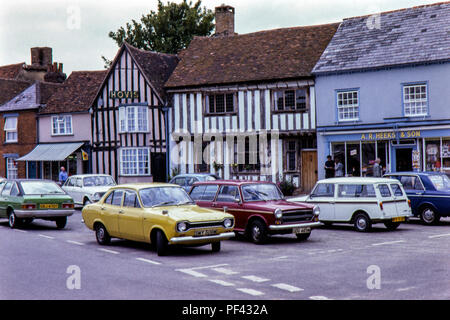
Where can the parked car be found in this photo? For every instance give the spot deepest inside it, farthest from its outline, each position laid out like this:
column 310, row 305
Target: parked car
column 259, row 208
column 186, row 180
column 360, row 201
column 21, row 201
column 88, row 188
column 429, row 193
column 162, row 214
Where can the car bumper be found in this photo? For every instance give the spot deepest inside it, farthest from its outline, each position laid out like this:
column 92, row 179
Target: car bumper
column 283, row 227
column 205, row 239
column 43, row 213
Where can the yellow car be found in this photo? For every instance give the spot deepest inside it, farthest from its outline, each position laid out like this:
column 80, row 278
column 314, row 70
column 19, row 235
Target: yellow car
column 159, row 213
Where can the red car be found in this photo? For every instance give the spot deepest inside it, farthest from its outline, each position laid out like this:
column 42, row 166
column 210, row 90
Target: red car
column 259, row 208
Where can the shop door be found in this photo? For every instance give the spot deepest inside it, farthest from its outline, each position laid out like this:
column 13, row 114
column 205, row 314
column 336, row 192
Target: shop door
column 403, row 159
column 309, row 170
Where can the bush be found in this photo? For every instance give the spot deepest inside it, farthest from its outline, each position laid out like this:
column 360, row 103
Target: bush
column 287, row 187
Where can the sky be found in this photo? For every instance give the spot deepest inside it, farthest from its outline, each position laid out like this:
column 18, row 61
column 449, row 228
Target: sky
column 77, row 30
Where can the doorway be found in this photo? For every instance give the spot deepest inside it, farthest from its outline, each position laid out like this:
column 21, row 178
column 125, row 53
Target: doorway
column 309, row 170
column 403, row 159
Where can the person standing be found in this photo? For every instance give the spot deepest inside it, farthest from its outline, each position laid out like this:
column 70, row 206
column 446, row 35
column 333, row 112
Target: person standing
column 339, row 168
column 62, row 176
column 377, row 169
column 329, row 168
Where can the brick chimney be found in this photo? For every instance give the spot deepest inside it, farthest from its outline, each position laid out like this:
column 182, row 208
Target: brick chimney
column 224, row 20
column 41, row 56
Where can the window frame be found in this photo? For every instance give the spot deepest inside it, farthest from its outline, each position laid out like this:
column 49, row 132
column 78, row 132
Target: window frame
column 147, row 168
column 358, row 105
column 295, row 110
column 58, row 131
column 410, row 85
column 11, row 169
column 124, row 119
column 207, row 99
column 11, row 130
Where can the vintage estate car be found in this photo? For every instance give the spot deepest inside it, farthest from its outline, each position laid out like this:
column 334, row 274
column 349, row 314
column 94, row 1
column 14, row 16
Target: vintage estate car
column 159, row 213
column 258, row 207
column 429, row 193
column 88, row 188
column 360, row 201
column 186, row 180
column 21, row 201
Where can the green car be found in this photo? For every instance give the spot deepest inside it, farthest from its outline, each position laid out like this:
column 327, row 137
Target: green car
column 21, row 201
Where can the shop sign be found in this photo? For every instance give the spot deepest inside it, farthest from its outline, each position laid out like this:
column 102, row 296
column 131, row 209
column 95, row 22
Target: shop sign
column 389, row 135
column 124, row 94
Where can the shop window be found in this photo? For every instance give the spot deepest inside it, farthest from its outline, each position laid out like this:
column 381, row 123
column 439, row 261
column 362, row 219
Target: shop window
column 62, row 125
column 11, row 166
column 433, row 157
column 445, row 154
column 133, row 119
column 415, row 100
column 353, row 160
column 10, row 129
column 348, row 105
column 368, row 158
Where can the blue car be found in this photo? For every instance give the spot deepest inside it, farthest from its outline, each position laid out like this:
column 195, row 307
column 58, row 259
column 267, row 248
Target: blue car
column 429, row 193
column 186, row 180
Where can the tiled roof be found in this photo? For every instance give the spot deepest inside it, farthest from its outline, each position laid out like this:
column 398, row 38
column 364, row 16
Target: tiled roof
column 10, row 88
column 76, row 93
column 414, row 35
column 286, row 53
column 11, row 71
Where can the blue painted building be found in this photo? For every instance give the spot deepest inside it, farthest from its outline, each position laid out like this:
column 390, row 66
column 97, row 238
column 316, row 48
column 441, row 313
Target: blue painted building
column 383, row 91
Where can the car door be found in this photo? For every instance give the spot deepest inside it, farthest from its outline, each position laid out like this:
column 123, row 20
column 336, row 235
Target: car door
column 323, row 195
column 401, row 200
column 4, row 198
column 388, row 200
column 204, row 195
column 68, row 186
column 109, row 211
column 414, row 190
column 131, row 217
column 229, row 197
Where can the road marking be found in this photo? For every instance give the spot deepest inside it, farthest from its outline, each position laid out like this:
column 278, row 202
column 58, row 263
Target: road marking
column 439, row 235
column 18, row 230
column 45, row 236
column 284, row 286
column 148, row 261
column 405, row 289
column 75, row 242
column 251, row 291
column 222, row 283
column 388, row 242
column 192, row 273
column 108, row 251
column 279, row 258
column 255, row 278
column 208, row 267
column 225, row 271
column 319, row 298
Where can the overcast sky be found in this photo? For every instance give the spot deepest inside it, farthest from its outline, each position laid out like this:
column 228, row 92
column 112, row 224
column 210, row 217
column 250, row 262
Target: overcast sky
column 77, row 30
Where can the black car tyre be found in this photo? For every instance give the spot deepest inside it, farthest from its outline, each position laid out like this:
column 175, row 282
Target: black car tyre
column 257, row 232
column 102, row 235
column 161, row 243
column 362, row 222
column 391, row 225
column 429, row 216
column 61, row 222
column 13, row 221
column 302, row 236
column 215, row 246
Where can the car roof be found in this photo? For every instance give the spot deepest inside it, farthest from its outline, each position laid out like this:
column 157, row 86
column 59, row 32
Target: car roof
column 356, row 180
column 233, row 182
column 200, row 174
column 89, row 175
column 144, row 185
column 427, row 173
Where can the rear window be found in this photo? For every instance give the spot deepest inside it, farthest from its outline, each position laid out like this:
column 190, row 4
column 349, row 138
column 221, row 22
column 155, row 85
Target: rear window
column 41, row 187
column 356, row 191
column 440, row 182
column 384, row 190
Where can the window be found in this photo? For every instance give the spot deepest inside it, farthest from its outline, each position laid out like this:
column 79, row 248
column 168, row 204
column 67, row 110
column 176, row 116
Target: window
column 252, row 160
column 62, row 125
column 397, row 190
column 323, row 190
column 348, row 105
column 14, row 190
column 7, row 189
column 290, row 100
column 415, row 100
column 228, row 194
column 133, row 119
column 204, row 192
column 411, row 183
column 384, row 190
column 356, row 191
column 117, row 198
column 10, row 129
column 11, row 166
column 220, row 103
column 135, row 161
column 291, row 152
column 131, row 199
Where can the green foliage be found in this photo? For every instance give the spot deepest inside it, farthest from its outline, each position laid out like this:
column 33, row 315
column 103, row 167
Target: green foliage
column 287, row 187
column 169, row 30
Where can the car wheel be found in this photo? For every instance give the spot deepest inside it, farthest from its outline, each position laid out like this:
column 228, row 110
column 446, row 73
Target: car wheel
column 302, row 236
column 102, row 235
column 392, row 225
column 429, row 216
column 161, row 243
column 86, row 202
column 362, row 222
column 13, row 221
column 258, row 232
column 215, row 246
column 61, row 222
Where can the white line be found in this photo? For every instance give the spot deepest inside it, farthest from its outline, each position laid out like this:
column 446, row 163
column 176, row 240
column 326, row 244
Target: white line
column 148, row 261
column 405, row 289
column 319, row 298
column 44, row 236
column 75, row 242
column 439, row 235
column 255, row 278
column 279, row 258
column 222, row 283
column 209, row 267
column 225, row 271
column 251, row 291
column 108, row 251
column 192, row 273
column 389, row 242
column 284, row 286
column 18, row 230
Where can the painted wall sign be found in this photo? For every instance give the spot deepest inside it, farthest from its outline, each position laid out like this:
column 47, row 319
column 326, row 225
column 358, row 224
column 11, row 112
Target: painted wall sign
column 124, row 94
column 388, row 135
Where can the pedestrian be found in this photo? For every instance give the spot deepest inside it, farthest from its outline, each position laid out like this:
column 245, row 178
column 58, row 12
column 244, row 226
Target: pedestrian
column 338, row 168
column 377, row 169
column 62, row 176
column 329, row 168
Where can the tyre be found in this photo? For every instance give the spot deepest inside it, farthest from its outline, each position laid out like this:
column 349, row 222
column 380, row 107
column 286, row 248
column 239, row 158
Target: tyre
column 362, row 222
column 302, row 236
column 257, row 232
column 102, row 235
column 429, row 216
column 215, row 246
column 13, row 221
column 391, row 225
column 61, row 222
column 161, row 243
column 86, row 202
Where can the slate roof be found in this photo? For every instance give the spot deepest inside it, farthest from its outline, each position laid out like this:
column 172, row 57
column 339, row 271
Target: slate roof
column 407, row 36
column 76, row 94
column 9, row 88
column 11, row 71
column 278, row 54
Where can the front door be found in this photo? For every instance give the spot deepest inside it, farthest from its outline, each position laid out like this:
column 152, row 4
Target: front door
column 403, row 159
column 158, row 167
column 309, row 170
column 131, row 217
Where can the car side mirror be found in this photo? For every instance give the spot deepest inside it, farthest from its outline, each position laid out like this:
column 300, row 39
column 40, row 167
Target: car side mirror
column 238, row 201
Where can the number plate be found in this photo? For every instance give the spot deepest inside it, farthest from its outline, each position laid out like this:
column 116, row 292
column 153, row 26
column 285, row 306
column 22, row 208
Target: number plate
column 398, row 219
column 48, row 206
column 202, row 233
column 301, row 230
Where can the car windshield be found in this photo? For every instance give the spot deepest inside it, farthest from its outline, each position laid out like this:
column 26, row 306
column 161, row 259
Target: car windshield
column 440, row 182
column 164, row 196
column 98, row 181
column 41, row 187
column 261, row 192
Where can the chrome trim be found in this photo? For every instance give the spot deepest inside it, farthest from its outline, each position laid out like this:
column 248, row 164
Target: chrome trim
column 297, row 225
column 190, row 239
column 43, row 213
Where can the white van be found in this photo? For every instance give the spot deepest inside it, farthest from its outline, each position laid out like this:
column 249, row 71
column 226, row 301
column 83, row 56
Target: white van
column 360, row 201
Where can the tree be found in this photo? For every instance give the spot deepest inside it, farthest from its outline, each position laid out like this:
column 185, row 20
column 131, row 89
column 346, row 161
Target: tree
column 169, row 30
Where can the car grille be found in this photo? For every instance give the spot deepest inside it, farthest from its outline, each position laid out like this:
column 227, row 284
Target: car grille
column 297, row 216
column 212, row 224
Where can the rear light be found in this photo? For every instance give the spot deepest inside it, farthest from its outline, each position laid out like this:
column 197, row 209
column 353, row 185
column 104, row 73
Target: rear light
column 381, row 206
column 409, row 203
column 67, row 205
column 28, row 206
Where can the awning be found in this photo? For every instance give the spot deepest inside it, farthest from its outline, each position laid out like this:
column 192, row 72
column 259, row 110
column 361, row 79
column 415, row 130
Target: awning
column 51, row 152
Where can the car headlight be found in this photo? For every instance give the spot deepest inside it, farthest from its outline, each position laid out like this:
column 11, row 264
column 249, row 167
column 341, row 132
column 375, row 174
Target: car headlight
column 316, row 210
column 278, row 213
column 181, row 226
column 228, row 223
